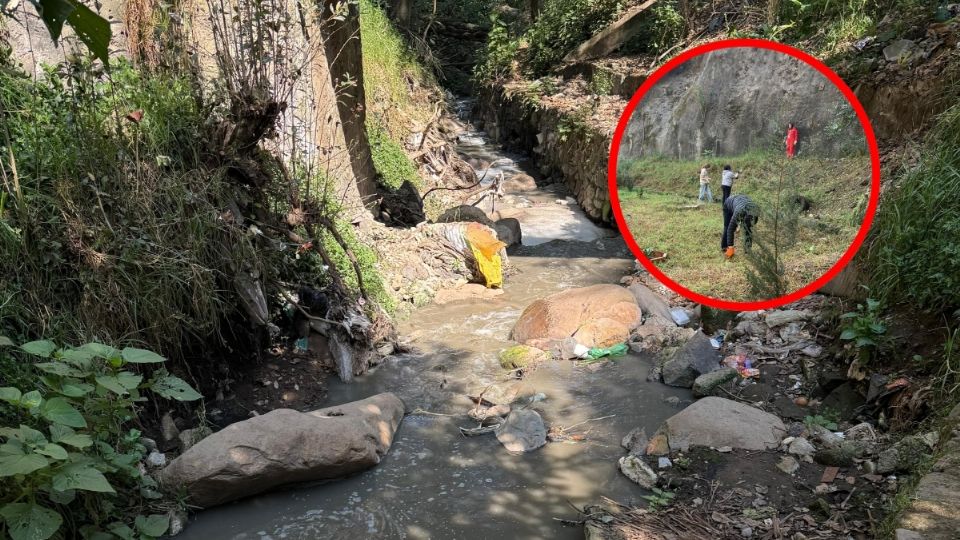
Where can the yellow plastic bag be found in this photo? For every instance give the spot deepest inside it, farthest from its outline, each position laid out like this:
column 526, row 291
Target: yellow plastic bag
column 485, row 248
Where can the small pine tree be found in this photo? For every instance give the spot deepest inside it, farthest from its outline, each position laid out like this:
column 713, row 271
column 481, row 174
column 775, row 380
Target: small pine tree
column 766, row 272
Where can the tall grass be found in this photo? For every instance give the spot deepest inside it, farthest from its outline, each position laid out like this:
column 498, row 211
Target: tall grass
column 914, row 253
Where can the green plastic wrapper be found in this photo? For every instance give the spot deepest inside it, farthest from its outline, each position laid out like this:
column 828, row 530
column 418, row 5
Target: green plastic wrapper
column 619, row 349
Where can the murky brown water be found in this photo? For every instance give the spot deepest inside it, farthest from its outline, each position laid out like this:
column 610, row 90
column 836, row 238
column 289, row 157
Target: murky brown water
column 435, row 483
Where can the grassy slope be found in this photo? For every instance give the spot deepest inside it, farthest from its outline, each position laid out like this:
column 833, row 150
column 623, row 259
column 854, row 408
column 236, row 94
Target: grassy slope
column 653, row 192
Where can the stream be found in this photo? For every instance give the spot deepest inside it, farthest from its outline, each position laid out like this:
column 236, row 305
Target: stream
column 435, row 483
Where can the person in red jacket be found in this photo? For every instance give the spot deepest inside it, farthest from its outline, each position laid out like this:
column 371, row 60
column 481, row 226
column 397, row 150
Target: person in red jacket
column 791, row 140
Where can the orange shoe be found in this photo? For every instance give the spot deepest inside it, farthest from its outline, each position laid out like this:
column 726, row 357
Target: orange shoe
column 729, row 253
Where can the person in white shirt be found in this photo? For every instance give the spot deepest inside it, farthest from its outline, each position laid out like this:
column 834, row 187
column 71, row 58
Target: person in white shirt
column 726, row 181
column 705, row 192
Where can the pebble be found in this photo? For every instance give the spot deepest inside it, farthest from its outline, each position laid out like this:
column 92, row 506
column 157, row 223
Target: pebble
column 664, row 463
column 725, row 449
column 156, row 459
column 746, row 532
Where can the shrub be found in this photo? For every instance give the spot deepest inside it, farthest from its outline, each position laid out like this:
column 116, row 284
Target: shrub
column 865, row 330
column 69, row 459
column 496, row 60
column 914, row 249
column 563, row 25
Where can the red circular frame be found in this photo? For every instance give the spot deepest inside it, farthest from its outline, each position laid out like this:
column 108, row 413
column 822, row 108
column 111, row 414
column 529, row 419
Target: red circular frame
column 874, row 183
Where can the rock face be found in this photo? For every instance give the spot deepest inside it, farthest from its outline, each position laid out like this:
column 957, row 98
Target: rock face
column 695, row 358
column 285, row 447
column 717, row 422
column 522, row 431
column 549, row 320
column 694, row 108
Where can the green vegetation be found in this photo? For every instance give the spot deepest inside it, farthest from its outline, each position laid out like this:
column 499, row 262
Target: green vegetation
column 865, row 330
column 539, row 46
column 914, row 250
column 658, row 198
column 69, row 456
column 391, row 162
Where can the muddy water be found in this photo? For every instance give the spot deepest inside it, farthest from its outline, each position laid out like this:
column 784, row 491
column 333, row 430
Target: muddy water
column 435, row 483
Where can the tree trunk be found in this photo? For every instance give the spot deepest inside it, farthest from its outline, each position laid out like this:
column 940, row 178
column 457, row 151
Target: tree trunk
column 341, row 43
column 402, row 10
column 534, row 9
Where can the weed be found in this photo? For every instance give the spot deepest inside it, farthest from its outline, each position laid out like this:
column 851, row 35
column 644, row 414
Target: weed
column 71, row 462
column 601, row 83
column 914, row 248
column 865, row 330
column 825, row 420
column 659, row 499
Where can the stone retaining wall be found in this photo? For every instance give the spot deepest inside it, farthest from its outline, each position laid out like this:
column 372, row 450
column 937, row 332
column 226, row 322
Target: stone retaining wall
column 561, row 146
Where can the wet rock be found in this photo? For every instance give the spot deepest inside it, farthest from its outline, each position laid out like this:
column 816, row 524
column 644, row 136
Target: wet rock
column 906, row 455
column 785, row 316
column 901, row 50
column 465, row 213
column 522, row 431
column 502, row 393
column 190, row 437
column 651, row 303
column 634, row 468
column 788, row 465
column 549, row 320
column 285, row 447
column 709, row 384
column 801, row 447
column 484, row 413
column 716, row 422
column 508, row 231
column 693, row 359
column 636, row 441
column 602, row 332
column 520, row 356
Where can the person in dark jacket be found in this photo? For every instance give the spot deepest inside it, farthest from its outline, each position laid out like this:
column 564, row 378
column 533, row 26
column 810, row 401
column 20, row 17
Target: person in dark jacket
column 738, row 209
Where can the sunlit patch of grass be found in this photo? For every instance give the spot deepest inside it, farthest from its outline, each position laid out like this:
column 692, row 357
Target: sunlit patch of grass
column 657, row 208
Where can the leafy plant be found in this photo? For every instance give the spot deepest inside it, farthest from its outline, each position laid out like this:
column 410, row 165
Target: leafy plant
column 389, row 159
column 825, row 420
column 71, row 454
column 660, row 498
column 497, row 58
column 865, row 330
column 92, row 29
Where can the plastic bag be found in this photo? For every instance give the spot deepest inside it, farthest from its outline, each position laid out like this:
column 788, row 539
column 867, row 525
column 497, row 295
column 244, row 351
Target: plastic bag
column 619, row 349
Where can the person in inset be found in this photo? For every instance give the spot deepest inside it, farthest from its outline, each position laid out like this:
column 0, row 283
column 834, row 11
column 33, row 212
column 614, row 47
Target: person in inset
column 705, row 191
column 738, row 210
column 793, row 136
column 726, row 181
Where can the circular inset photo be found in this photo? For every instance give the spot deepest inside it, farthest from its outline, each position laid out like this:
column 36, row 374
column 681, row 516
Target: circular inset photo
column 744, row 174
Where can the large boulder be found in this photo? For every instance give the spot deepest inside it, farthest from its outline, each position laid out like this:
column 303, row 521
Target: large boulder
column 718, row 422
column 602, row 332
column 519, row 183
column 547, row 321
column 651, row 303
column 285, row 447
column 696, row 357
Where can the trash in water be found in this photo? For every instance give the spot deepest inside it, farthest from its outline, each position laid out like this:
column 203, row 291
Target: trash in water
column 742, row 364
column 717, row 340
column 619, row 349
column 680, row 316
column 715, row 343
